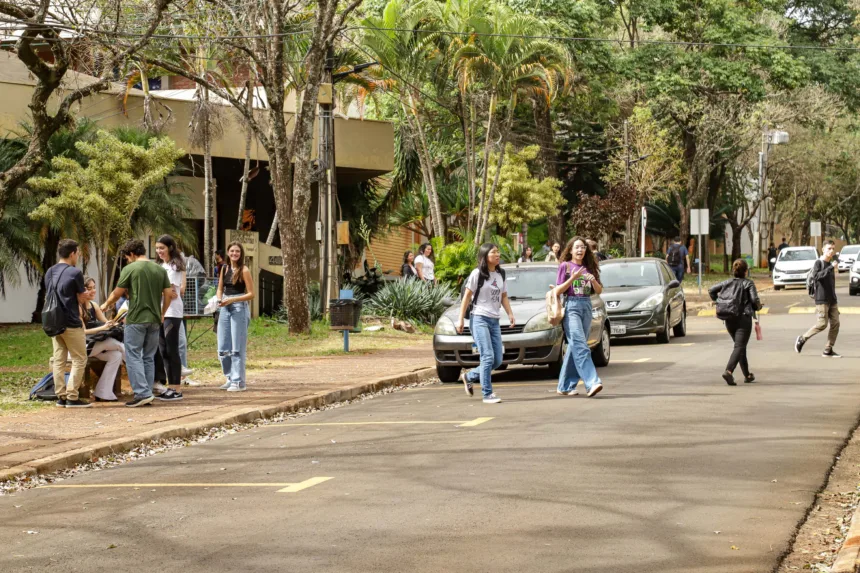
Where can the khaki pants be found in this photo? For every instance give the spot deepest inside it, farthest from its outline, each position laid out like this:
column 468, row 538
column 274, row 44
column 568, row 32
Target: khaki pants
column 826, row 313
column 72, row 342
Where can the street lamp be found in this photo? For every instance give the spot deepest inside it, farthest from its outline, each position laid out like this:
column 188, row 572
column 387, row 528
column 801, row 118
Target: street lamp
column 769, row 137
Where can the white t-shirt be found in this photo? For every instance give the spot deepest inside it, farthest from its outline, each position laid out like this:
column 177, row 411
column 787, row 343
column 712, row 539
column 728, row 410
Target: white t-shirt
column 489, row 301
column 175, row 310
column 427, row 267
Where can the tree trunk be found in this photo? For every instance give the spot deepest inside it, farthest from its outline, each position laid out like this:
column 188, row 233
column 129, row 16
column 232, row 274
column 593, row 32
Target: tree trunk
column 737, row 232
column 246, row 171
column 484, row 224
column 432, row 193
column 208, row 196
column 484, row 178
column 548, row 163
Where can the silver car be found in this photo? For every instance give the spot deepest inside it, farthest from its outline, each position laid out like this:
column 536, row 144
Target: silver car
column 533, row 340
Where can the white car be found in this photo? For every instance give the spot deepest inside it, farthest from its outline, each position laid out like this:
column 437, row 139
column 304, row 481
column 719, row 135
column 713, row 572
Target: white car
column 854, row 279
column 792, row 266
column 847, row 256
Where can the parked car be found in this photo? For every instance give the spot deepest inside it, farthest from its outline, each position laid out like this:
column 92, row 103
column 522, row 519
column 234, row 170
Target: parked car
column 854, row 279
column 792, row 266
column 847, row 256
column 533, row 340
column 642, row 297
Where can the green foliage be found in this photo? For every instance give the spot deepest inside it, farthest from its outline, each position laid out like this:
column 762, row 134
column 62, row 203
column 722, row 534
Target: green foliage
column 410, row 300
column 455, row 261
column 507, row 252
column 314, row 301
column 522, row 198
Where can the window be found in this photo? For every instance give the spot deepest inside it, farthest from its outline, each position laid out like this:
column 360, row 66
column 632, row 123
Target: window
column 630, row 274
column 798, row 255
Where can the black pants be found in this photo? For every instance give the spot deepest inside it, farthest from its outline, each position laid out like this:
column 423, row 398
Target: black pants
column 740, row 329
column 168, row 345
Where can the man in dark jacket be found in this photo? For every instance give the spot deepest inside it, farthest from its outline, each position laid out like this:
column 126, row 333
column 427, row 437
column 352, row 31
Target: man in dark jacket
column 823, row 275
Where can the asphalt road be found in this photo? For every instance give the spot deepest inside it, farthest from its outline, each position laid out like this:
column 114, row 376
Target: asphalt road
column 668, row 470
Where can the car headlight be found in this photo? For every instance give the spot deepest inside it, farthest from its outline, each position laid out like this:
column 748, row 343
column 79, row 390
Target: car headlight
column 651, row 302
column 445, row 326
column 537, row 323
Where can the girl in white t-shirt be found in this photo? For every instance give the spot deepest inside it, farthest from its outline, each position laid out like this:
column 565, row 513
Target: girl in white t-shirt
column 424, row 263
column 486, row 285
column 171, row 260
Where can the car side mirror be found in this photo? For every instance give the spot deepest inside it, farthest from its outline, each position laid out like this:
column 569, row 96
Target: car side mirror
column 674, row 284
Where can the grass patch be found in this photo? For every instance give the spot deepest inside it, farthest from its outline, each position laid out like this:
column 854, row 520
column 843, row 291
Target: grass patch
column 24, row 360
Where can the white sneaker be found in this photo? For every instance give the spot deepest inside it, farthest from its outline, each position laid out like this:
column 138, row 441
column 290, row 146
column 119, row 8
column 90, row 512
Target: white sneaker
column 158, row 389
column 186, row 371
column 595, row 389
column 189, row 382
column 225, row 385
column 236, row 388
column 492, row 399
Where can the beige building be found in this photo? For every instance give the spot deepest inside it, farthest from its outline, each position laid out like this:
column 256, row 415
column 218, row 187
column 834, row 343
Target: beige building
column 363, row 149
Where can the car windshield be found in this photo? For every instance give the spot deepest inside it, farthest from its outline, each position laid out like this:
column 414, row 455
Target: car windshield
column 852, row 250
column 629, row 275
column 524, row 284
column 799, row 255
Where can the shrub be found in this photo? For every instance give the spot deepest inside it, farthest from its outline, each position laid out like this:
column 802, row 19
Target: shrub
column 455, row 261
column 411, row 300
column 313, row 302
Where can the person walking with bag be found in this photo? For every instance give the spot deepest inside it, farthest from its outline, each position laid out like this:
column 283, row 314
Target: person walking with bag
column 64, row 293
column 484, row 295
column 822, row 287
column 578, row 278
column 737, row 303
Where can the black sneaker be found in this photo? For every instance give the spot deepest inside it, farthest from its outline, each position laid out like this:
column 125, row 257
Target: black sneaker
column 78, row 403
column 798, row 344
column 170, row 396
column 730, row 380
column 830, row 354
column 61, row 403
column 140, row 402
column 749, row 379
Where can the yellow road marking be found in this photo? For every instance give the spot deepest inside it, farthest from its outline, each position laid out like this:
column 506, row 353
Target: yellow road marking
column 286, row 487
column 460, row 423
column 685, row 344
column 811, row 310
column 764, row 310
column 708, row 312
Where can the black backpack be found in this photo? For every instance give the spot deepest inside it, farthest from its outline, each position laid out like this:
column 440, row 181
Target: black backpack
column 673, row 256
column 810, row 281
column 730, row 301
column 53, row 312
column 481, row 279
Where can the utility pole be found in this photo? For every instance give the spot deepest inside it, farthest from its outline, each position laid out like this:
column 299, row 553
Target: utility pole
column 630, row 238
column 325, row 155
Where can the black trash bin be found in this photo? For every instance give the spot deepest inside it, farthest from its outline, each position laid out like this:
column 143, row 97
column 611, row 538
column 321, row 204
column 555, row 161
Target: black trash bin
column 344, row 313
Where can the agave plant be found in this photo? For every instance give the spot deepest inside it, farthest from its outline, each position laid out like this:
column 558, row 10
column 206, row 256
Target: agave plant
column 410, row 300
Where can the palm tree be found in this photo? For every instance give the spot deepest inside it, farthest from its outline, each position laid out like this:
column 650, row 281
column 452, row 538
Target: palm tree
column 511, row 63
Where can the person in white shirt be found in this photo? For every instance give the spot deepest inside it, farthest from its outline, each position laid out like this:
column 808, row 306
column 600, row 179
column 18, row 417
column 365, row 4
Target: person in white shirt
column 173, row 263
column 424, row 263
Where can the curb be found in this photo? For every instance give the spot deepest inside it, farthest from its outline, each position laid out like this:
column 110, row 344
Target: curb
column 849, row 554
column 72, row 458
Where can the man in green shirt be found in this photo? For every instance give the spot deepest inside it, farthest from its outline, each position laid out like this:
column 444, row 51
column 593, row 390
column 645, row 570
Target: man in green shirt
column 149, row 293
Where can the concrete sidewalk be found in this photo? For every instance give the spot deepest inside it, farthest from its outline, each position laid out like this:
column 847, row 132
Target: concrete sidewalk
column 58, row 438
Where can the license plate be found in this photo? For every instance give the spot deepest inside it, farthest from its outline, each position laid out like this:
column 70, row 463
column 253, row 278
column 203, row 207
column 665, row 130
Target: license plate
column 619, row 329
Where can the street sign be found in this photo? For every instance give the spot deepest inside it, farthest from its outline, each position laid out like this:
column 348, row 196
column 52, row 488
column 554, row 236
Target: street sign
column 699, row 221
column 815, row 228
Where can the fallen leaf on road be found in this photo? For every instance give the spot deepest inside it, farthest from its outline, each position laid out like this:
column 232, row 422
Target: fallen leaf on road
column 111, row 546
column 31, row 532
column 735, row 548
column 718, row 532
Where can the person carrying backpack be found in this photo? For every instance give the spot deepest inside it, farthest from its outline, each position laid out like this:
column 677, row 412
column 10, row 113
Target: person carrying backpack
column 65, row 291
column 822, row 287
column 678, row 258
column 485, row 286
column 737, row 302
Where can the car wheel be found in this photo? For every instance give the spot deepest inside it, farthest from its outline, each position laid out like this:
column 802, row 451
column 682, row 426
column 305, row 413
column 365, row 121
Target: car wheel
column 778, row 287
column 448, row 373
column 680, row 329
column 852, row 291
column 600, row 354
column 666, row 335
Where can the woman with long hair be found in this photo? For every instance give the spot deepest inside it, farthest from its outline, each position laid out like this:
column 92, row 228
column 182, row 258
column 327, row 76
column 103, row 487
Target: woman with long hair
column 484, row 295
column 527, row 256
column 578, row 278
column 552, row 256
column 168, row 342
column 739, row 326
column 407, row 269
column 235, row 290
column 425, row 263
column 107, row 349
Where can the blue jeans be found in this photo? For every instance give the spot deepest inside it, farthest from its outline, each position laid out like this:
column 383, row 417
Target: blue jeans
column 488, row 337
column 183, row 345
column 141, row 344
column 233, row 340
column 577, row 360
column 679, row 272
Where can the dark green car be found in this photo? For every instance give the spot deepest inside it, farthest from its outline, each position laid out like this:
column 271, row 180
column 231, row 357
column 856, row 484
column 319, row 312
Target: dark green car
column 643, row 297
